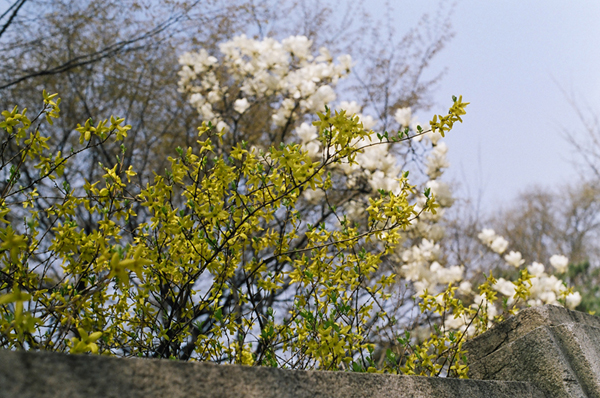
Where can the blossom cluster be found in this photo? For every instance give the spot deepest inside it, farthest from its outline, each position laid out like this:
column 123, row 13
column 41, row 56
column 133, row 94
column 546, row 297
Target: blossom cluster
column 421, row 266
column 285, row 73
column 545, row 288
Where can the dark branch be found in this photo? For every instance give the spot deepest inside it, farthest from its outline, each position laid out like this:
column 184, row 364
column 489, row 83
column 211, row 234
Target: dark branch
column 107, row 52
column 17, row 5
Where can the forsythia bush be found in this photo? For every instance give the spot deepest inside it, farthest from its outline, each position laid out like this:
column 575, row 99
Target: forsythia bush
column 179, row 283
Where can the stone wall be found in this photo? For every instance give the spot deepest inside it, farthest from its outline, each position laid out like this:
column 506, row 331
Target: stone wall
column 556, row 349
column 544, row 352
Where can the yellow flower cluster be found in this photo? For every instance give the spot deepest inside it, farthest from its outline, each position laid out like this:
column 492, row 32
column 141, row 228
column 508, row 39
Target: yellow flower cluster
column 189, row 265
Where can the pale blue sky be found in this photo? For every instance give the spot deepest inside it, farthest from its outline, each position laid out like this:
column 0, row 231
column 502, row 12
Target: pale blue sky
column 509, row 59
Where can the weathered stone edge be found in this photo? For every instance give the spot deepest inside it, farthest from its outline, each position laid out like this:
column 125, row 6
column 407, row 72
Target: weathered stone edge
column 36, row 374
column 519, row 325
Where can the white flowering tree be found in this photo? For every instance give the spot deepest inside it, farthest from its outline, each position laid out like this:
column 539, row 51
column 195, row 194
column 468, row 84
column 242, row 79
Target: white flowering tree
column 262, row 92
column 546, row 288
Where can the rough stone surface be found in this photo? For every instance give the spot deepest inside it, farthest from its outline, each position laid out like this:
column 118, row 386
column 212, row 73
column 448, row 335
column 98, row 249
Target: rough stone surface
column 49, row 375
column 556, row 349
column 523, row 323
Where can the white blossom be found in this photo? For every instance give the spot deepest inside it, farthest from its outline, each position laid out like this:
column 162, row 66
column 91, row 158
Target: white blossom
column 288, row 104
column 324, row 55
column 306, row 132
column 442, row 193
column 499, row 245
column 317, row 101
column 429, row 249
column 298, row 46
column 403, row 116
column 548, row 297
column 435, row 232
column 206, row 111
column 433, row 136
column 487, row 236
column 368, row 122
column 351, row 108
column 197, row 62
column 446, row 275
column 345, row 62
column 372, row 156
column 280, row 118
column 197, row 100
column 222, row 126
column 505, row 287
column 536, row 269
column 313, row 149
column 559, row 262
column 436, row 161
column 420, row 287
column 573, row 300
column 379, row 180
column 240, row 105
column 452, row 323
column 213, row 96
column 535, row 302
column 514, row 258
column 415, row 271
column 263, row 68
column 426, row 251
column 465, row 287
column 543, row 283
column 492, row 312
